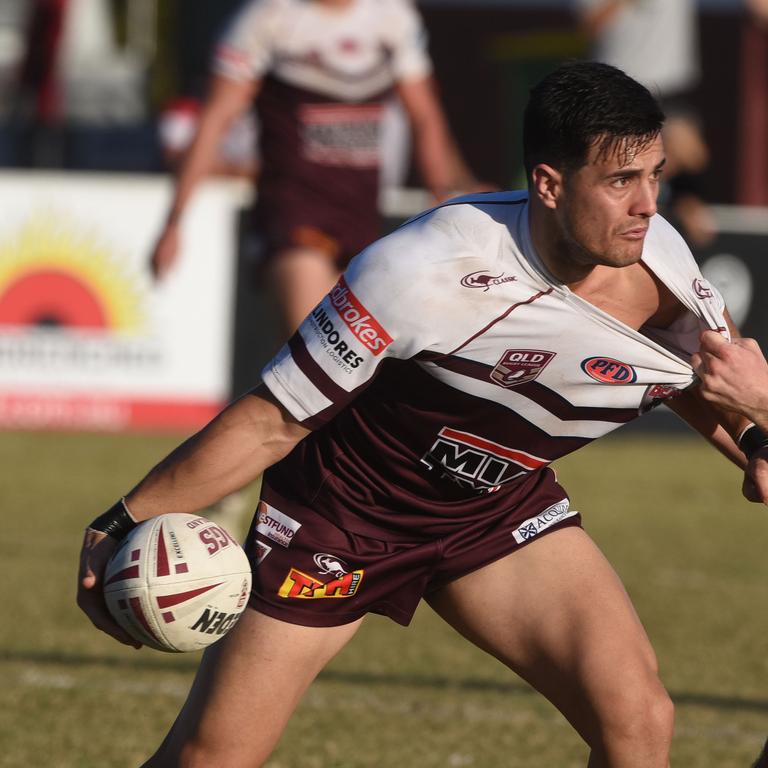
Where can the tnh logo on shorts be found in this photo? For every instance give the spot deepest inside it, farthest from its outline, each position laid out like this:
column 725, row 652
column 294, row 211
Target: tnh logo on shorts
column 474, row 462
column 273, row 524
column 606, row 370
column 302, row 586
column 518, row 366
column 358, row 319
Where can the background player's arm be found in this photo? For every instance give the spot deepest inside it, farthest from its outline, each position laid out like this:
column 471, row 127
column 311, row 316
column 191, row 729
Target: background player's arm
column 248, row 436
column 442, row 168
column 228, row 99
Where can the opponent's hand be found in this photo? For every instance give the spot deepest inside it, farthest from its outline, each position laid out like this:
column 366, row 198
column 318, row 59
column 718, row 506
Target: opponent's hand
column 96, row 551
column 166, row 252
column 755, row 485
column 734, row 375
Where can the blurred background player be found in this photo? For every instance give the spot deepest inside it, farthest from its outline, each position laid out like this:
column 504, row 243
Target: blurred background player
column 322, row 71
column 656, row 42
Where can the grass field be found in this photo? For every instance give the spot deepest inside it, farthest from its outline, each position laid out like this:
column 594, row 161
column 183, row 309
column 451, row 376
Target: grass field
column 668, row 513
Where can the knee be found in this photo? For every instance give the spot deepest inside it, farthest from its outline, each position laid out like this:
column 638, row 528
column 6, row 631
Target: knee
column 641, row 714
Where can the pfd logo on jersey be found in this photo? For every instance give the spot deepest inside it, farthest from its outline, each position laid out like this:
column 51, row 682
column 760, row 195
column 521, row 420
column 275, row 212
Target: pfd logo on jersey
column 358, row 319
column 474, row 462
column 301, row 586
column 606, row 370
column 517, row 366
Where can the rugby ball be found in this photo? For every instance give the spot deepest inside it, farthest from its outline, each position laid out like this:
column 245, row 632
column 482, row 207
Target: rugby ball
column 177, row 582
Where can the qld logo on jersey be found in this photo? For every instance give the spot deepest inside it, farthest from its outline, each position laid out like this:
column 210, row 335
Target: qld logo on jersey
column 606, row 370
column 517, row 366
column 474, row 462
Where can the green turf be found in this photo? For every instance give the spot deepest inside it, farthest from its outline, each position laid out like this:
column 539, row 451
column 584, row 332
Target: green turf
column 667, row 511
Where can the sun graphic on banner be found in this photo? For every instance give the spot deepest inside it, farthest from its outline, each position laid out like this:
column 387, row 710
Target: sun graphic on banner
column 52, row 275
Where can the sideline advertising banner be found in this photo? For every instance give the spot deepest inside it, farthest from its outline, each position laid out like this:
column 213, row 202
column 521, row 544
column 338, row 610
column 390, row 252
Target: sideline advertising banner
column 87, row 339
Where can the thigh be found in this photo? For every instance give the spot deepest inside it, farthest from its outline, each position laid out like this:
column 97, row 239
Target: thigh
column 557, row 614
column 299, row 278
column 246, row 688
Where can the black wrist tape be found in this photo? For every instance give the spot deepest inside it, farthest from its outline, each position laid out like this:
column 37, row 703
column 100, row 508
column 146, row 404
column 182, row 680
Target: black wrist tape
column 115, row 522
column 752, row 440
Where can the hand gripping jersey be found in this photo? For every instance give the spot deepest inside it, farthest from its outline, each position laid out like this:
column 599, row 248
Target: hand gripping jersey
column 325, row 72
column 446, row 369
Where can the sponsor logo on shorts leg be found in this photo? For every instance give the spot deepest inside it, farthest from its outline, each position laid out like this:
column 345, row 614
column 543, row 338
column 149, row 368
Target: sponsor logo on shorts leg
column 517, row 366
column 606, row 370
column 533, row 526
column 276, row 526
column 262, row 550
column 302, row 586
column 330, row 564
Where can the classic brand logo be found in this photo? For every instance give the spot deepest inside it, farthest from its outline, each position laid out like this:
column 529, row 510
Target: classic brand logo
column 702, row 288
column 606, row 370
column 358, row 319
column 301, row 586
column 517, row 366
column 330, row 564
column 482, row 279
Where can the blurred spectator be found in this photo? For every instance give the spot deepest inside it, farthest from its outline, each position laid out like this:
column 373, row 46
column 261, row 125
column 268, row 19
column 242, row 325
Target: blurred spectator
column 656, row 42
column 322, row 71
column 753, row 117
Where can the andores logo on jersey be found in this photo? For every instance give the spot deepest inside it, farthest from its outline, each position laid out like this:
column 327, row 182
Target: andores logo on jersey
column 358, row 319
column 517, row 366
column 301, row 586
column 474, row 462
column 484, row 280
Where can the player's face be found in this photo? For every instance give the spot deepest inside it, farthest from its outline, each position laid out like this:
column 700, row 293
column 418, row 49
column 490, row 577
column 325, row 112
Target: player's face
column 606, row 205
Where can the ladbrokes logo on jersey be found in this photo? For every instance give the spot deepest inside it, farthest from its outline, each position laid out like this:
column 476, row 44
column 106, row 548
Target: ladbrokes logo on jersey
column 302, row 586
column 358, row 319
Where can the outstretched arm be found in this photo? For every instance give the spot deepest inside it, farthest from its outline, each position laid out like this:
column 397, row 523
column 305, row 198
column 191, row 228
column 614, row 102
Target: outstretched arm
column 228, row 98
column 248, row 436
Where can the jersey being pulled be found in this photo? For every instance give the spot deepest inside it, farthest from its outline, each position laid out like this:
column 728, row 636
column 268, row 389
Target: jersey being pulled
column 446, row 367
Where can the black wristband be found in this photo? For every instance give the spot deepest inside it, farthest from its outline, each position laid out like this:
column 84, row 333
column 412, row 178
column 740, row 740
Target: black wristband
column 752, row 440
column 115, row 522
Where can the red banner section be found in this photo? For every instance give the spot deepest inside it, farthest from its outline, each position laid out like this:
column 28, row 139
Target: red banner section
column 106, row 413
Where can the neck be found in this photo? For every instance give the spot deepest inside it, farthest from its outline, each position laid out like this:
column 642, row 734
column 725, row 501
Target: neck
column 561, row 257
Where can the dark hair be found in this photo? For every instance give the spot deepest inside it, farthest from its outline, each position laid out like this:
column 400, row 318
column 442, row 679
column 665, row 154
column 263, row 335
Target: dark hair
column 582, row 104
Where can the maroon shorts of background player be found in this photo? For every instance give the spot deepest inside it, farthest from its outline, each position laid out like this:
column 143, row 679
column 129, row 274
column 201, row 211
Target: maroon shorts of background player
column 338, row 218
column 310, row 571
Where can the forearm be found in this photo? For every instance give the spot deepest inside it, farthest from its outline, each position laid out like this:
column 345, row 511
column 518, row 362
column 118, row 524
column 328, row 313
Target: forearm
column 721, row 428
column 250, row 435
column 227, row 100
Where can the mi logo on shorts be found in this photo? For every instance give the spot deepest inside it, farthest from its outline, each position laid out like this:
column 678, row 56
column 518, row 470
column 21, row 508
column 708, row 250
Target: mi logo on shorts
column 301, row 586
column 474, row 462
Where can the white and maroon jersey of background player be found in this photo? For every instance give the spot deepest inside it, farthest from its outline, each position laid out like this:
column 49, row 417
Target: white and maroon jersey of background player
column 447, row 365
column 328, row 70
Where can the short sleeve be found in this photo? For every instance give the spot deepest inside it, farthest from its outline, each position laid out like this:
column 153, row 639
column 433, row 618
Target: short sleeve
column 376, row 311
column 244, row 52
column 406, row 39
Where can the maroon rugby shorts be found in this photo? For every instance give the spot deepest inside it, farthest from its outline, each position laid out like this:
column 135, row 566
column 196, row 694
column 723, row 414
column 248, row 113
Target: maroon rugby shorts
column 309, row 571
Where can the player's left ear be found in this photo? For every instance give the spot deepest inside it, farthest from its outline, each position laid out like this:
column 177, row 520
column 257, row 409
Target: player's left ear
column 547, row 184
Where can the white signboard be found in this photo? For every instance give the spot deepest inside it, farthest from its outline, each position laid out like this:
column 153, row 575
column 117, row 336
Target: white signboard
column 87, row 339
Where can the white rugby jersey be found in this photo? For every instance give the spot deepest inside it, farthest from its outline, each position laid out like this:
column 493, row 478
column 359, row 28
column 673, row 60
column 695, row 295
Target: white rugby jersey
column 448, row 364
column 350, row 54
